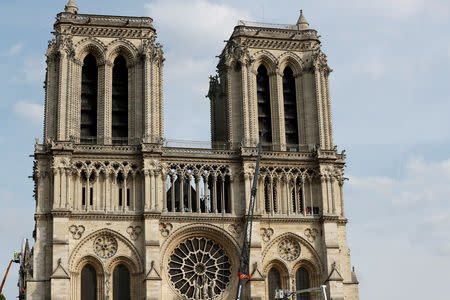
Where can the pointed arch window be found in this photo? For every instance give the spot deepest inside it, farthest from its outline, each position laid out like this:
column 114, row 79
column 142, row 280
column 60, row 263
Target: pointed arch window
column 120, row 101
column 88, row 283
column 290, row 109
column 301, row 283
column 88, row 120
column 273, row 282
column 121, row 283
column 264, row 115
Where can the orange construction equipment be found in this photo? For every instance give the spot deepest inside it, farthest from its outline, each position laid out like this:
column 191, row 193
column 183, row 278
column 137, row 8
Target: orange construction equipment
column 16, row 260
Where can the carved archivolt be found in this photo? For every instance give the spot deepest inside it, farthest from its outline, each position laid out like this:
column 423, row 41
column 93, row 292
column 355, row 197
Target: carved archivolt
column 90, row 45
column 267, row 59
column 122, row 47
column 292, row 60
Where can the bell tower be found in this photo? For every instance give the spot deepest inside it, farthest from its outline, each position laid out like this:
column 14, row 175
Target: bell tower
column 104, row 80
column 272, row 84
column 272, row 87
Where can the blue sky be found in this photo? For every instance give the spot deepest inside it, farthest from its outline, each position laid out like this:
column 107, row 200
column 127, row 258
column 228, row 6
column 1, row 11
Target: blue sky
column 390, row 100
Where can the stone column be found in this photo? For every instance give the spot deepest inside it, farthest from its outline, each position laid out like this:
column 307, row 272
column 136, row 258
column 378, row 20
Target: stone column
column 62, row 96
column 107, row 102
column 301, row 108
column 146, row 190
column 56, row 188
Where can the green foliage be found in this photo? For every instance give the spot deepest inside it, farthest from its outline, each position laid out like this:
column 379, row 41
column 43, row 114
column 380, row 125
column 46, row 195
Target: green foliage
column 2, row 297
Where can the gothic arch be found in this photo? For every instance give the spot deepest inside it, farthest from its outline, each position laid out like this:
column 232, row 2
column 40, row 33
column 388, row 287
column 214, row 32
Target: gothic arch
column 124, row 48
column 283, row 271
column 135, row 275
column 313, row 259
column 265, row 58
column 75, row 275
column 308, row 265
column 124, row 248
column 292, row 60
column 278, row 264
column 92, row 46
column 130, row 264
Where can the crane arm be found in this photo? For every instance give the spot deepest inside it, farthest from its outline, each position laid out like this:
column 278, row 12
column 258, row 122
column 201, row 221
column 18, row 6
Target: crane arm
column 244, row 256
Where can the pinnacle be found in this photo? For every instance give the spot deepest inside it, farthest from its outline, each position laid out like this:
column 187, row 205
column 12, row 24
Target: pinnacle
column 302, row 23
column 71, row 7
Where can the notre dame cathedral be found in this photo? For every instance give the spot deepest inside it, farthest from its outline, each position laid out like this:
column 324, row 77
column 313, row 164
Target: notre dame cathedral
column 121, row 215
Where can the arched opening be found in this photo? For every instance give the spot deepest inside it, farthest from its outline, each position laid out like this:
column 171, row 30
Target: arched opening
column 273, row 282
column 88, row 120
column 301, row 283
column 290, row 110
column 120, row 101
column 88, row 283
column 264, row 115
column 121, row 283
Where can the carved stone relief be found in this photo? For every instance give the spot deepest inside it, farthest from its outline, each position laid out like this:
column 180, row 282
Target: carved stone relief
column 165, row 229
column 266, row 234
column 105, row 246
column 235, row 229
column 134, row 232
column 311, row 234
column 289, row 249
column 76, row 231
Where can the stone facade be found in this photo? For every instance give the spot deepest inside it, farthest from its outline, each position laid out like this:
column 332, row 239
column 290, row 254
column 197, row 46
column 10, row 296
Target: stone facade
column 173, row 216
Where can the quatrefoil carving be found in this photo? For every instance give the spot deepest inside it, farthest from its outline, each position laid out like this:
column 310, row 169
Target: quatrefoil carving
column 311, row 234
column 165, row 229
column 134, row 232
column 76, row 231
column 266, row 234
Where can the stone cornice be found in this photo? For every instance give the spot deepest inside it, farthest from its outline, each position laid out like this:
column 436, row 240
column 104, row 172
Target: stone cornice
column 333, row 219
column 105, row 20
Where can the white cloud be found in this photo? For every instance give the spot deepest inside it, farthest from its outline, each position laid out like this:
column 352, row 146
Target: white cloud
column 196, row 25
column 30, row 111
column 420, row 195
column 34, row 69
column 375, row 69
column 14, row 49
column 399, row 9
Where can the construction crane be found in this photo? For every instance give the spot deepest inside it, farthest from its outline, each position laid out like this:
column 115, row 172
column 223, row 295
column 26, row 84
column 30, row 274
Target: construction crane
column 15, row 259
column 287, row 294
column 244, row 267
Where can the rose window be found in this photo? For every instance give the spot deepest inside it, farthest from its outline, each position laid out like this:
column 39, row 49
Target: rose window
column 199, row 269
column 105, row 246
column 289, row 249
